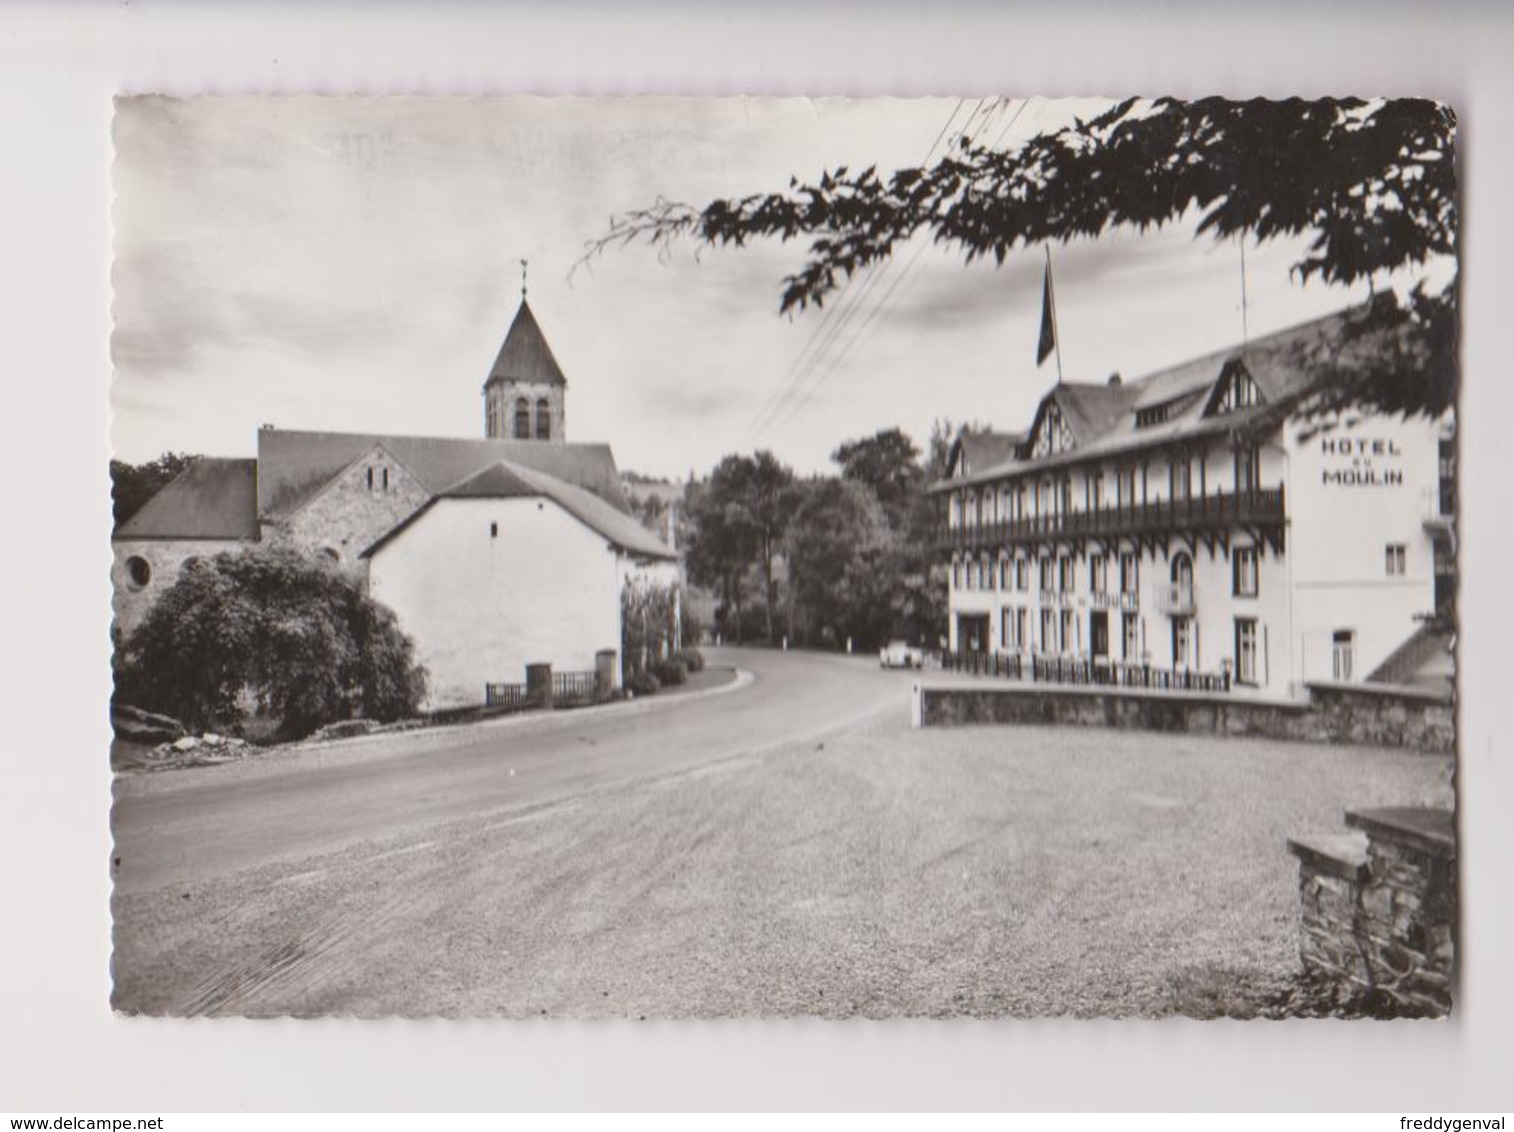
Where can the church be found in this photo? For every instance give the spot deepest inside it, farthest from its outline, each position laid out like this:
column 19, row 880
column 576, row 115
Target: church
column 493, row 553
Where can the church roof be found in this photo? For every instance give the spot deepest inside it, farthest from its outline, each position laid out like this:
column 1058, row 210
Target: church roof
column 504, row 480
column 293, row 466
column 213, row 498
column 525, row 355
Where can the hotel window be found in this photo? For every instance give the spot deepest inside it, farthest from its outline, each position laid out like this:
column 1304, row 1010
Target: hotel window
column 1396, row 556
column 1132, row 634
column 1045, row 572
column 1245, row 650
column 1180, row 476
column 1342, row 654
column 1065, row 582
column 1240, row 393
column 1130, row 573
column 1182, row 642
column 1064, row 489
column 1095, row 491
column 1125, row 487
column 1098, row 574
column 1007, row 629
column 1022, row 641
column 986, row 573
column 1048, row 630
column 1244, row 567
column 1022, row 574
column 1069, row 644
column 1004, row 573
column 956, row 573
column 1247, row 469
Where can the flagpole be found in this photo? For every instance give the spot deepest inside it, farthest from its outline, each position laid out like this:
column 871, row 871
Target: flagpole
column 1056, row 333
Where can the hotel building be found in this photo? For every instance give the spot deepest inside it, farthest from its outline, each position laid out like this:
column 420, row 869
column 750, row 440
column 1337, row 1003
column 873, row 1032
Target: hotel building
column 1197, row 529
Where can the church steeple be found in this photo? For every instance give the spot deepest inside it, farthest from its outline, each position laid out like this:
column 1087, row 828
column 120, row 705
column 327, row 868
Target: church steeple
column 524, row 394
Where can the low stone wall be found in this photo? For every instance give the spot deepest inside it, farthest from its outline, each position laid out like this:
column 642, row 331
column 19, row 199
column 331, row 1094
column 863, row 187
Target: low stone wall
column 1378, row 907
column 1394, row 717
column 1385, row 715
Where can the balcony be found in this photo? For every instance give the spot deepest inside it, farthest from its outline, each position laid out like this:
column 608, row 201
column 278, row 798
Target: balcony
column 1175, row 600
column 1217, row 511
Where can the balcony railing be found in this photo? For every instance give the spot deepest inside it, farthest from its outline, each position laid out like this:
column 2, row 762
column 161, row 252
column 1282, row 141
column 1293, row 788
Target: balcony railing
column 1082, row 670
column 1215, row 510
column 1175, row 600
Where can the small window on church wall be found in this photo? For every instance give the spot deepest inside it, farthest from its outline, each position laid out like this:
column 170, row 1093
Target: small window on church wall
column 138, row 572
column 543, row 420
column 370, row 478
column 522, row 420
column 386, row 479
column 494, row 530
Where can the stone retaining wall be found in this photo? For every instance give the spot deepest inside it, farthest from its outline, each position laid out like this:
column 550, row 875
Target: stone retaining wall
column 1334, row 713
column 1378, row 907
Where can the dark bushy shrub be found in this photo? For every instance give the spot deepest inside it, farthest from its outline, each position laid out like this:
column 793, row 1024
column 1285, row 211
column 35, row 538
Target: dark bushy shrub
column 671, row 672
column 692, row 659
column 306, row 646
column 642, row 683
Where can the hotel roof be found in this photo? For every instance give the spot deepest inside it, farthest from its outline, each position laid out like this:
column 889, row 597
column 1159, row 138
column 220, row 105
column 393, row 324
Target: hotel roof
column 1102, row 419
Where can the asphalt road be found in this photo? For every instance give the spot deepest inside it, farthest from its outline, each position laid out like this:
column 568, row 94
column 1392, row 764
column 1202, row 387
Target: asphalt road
column 322, row 809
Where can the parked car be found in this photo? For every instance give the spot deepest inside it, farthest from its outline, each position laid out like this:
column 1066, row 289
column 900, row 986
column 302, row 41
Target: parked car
column 901, row 654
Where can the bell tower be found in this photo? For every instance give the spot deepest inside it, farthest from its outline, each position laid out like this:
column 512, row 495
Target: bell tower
column 525, row 392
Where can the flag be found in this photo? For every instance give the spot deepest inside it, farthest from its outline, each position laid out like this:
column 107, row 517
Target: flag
column 1048, row 341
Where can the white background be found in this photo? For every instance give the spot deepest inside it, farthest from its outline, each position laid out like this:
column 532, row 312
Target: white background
column 61, row 1050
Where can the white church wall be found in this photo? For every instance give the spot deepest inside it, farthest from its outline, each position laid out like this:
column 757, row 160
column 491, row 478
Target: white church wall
column 480, row 606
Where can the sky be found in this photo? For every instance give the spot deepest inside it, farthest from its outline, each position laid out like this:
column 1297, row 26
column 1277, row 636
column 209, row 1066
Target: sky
column 352, row 264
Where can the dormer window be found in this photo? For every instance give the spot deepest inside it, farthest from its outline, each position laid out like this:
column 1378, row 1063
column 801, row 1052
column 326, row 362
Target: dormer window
column 1238, row 391
column 1053, row 436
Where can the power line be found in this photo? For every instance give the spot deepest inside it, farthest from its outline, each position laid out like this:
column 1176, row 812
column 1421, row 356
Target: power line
column 827, row 328
column 792, row 400
column 837, row 360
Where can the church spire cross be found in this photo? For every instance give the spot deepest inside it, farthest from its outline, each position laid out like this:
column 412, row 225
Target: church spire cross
column 523, row 265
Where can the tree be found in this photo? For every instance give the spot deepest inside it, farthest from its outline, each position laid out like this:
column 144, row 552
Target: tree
column 722, row 542
column 887, row 463
column 648, row 625
column 839, row 546
column 132, row 485
column 738, row 519
column 1373, row 184
column 276, row 627
column 770, row 502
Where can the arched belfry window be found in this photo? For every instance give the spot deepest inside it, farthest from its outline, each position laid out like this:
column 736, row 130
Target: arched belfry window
column 522, row 420
column 543, row 420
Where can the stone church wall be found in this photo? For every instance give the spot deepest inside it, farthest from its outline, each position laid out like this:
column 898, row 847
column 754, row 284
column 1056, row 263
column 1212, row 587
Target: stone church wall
column 351, row 513
column 500, row 410
column 144, row 569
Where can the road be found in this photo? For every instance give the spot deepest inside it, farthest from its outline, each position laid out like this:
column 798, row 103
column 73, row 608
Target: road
column 204, row 830
column 194, row 825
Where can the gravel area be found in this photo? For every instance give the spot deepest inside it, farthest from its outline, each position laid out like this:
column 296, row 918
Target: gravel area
column 881, row 872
